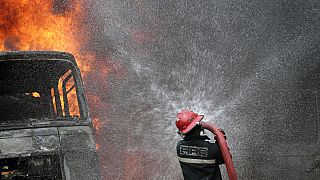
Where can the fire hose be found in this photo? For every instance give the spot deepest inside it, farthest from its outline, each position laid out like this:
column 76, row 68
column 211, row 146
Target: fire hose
column 220, row 137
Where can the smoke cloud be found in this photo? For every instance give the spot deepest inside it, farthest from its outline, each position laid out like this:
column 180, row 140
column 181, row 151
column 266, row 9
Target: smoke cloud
column 251, row 67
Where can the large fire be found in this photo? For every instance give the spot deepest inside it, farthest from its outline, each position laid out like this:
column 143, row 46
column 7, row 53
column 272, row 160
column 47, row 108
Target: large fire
column 48, row 25
column 58, row 25
column 45, row 25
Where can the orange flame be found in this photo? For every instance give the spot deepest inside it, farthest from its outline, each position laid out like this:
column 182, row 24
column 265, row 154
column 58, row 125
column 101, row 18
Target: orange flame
column 39, row 25
column 57, row 25
column 46, row 25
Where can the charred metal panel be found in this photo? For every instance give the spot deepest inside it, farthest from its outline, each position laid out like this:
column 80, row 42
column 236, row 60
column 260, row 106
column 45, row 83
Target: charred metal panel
column 28, row 141
column 78, row 149
column 83, row 138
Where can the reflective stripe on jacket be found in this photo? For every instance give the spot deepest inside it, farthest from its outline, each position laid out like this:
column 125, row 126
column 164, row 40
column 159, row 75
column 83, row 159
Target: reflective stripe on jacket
column 199, row 159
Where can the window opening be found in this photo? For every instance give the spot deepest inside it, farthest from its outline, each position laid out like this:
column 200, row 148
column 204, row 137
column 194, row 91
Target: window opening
column 64, row 96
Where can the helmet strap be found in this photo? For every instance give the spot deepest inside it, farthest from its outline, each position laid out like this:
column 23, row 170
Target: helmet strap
column 181, row 135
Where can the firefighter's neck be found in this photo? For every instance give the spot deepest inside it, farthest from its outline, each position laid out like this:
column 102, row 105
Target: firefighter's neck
column 195, row 132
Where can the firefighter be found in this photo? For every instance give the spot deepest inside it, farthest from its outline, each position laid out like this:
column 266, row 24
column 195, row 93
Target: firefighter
column 198, row 156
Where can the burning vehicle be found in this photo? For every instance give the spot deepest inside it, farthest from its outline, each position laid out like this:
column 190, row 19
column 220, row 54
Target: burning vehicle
column 45, row 128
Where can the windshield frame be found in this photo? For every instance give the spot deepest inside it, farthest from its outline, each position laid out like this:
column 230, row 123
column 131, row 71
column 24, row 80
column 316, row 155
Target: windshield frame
column 82, row 103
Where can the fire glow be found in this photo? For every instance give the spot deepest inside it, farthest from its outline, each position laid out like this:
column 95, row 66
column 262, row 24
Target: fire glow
column 47, row 25
column 43, row 25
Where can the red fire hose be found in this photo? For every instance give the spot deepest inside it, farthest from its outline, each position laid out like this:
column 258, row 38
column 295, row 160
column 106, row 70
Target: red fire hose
column 223, row 148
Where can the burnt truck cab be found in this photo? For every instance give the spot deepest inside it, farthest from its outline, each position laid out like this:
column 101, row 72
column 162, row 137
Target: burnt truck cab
column 45, row 128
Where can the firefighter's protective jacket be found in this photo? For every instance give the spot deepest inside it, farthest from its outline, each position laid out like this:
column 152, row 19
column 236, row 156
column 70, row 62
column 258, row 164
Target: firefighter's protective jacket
column 199, row 158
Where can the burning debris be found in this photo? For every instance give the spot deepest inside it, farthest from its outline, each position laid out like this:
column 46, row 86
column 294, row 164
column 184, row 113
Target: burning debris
column 45, row 128
column 58, row 25
column 31, row 167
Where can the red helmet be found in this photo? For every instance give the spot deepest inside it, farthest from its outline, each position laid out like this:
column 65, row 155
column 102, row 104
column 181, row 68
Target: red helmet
column 187, row 120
